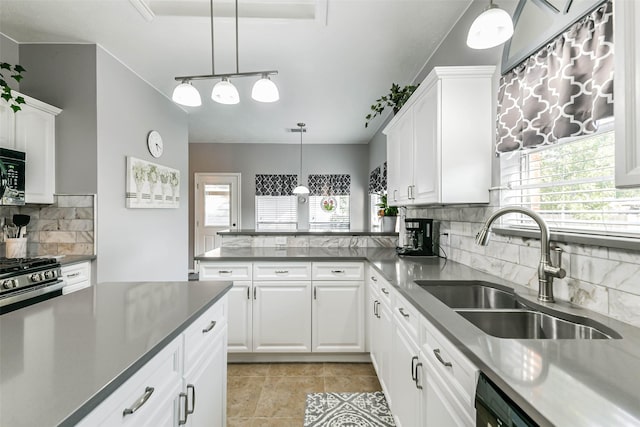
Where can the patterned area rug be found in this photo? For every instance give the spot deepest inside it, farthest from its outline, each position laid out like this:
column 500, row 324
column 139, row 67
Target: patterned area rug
column 347, row 409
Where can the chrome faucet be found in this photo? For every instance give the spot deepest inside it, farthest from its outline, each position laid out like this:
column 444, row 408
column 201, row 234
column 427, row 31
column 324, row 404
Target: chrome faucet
column 546, row 270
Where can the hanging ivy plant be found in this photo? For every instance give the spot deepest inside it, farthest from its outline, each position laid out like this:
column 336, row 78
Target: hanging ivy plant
column 14, row 72
column 395, row 99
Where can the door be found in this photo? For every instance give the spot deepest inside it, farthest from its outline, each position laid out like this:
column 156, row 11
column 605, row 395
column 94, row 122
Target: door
column 217, row 207
column 338, row 317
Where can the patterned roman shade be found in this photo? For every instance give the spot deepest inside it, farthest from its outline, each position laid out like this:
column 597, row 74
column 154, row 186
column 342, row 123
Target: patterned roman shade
column 562, row 90
column 275, row 185
column 329, row 185
column 378, row 179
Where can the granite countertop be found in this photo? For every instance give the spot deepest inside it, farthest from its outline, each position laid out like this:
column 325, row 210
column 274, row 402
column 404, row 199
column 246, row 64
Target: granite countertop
column 60, row 358
column 337, row 233
column 557, row 382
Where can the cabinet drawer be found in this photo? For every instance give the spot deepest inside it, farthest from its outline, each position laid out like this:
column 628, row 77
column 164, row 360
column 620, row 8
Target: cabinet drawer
column 381, row 285
column 225, row 271
column 203, row 331
column 451, row 364
column 407, row 315
column 148, row 389
column 337, row 271
column 76, row 273
column 282, row 271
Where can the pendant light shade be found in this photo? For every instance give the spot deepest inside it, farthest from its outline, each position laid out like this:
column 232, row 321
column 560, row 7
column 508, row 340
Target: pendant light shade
column 185, row 94
column 224, row 92
column 491, row 28
column 264, row 90
column 300, row 189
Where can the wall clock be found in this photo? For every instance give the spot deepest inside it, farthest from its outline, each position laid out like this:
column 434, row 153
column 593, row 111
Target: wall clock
column 154, row 143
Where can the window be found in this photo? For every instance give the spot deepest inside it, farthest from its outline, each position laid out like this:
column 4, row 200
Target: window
column 276, row 212
column 571, row 184
column 329, row 213
column 216, row 205
column 374, row 219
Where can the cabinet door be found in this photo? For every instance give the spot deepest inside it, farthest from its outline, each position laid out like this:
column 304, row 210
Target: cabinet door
column 240, row 324
column 439, row 407
column 206, row 385
column 400, row 160
column 282, row 316
column 406, row 395
column 35, row 135
column 384, row 344
column 338, row 317
column 7, row 125
column 426, row 164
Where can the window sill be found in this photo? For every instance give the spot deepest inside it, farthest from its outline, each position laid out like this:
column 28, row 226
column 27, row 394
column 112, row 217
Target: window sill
column 616, row 242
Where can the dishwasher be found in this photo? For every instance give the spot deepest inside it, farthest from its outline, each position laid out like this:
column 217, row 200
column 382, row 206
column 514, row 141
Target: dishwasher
column 496, row 409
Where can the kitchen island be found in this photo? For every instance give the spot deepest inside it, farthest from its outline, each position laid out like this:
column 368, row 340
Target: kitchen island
column 61, row 358
column 556, row 381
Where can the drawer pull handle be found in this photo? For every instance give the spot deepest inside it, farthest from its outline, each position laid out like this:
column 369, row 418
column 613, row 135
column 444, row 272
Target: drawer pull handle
column 375, row 309
column 282, row 271
column 337, row 271
column 193, row 398
column 225, row 271
column 185, row 408
column 414, row 373
column 418, row 386
column 138, row 403
column 315, row 293
column 210, row 327
column 384, row 291
column 440, row 359
column 254, row 293
column 374, row 278
column 248, row 293
column 401, row 310
column 76, row 274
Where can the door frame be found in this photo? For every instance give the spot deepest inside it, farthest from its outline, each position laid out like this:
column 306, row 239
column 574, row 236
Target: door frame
column 196, row 201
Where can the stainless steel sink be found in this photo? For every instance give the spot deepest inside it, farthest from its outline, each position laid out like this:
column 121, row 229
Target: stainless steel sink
column 473, row 294
column 528, row 324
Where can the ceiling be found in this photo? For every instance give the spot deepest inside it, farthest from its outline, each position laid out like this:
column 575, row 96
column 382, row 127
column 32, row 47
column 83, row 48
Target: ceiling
column 334, row 57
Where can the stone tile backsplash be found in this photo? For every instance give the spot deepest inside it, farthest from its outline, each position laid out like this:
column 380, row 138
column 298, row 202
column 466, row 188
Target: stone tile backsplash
column 321, row 241
column 604, row 280
column 65, row 227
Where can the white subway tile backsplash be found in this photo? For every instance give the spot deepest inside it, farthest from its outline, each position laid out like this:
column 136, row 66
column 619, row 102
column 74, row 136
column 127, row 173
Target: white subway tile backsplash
column 624, row 306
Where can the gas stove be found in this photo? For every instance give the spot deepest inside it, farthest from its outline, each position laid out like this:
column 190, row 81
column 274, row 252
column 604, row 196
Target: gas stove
column 24, row 281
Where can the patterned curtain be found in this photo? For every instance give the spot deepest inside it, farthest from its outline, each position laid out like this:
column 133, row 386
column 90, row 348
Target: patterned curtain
column 275, row 185
column 378, row 179
column 561, row 90
column 329, row 185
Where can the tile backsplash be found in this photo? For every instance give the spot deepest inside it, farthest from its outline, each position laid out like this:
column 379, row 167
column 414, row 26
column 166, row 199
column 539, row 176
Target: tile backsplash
column 601, row 279
column 66, row 227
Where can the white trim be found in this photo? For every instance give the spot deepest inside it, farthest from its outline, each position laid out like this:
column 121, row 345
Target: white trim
column 297, row 357
column 143, row 9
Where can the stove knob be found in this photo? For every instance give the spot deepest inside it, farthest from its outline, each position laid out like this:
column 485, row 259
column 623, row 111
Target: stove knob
column 36, row 277
column 14, row 283
column 49, row 274
column 7, row 284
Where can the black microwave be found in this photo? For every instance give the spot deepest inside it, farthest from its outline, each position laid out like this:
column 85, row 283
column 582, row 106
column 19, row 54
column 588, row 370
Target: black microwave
column 12, row 171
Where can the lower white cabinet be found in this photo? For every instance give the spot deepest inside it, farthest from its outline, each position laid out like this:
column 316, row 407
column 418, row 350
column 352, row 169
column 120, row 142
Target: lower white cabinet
column 338, row 316
column 282, row 316
column 240, row 317
column 406, row 385
column 380, row 331
column 439, row 407
column 76, row 276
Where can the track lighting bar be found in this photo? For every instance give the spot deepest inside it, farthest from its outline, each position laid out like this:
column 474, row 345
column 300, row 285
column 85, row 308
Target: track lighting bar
column 230, row 75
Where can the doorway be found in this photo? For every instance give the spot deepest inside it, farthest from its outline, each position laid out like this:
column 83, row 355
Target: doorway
column 217, row 208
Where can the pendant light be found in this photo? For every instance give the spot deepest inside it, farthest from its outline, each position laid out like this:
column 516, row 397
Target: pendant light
column 300, row 189
column 491, row 28
column 224, row 92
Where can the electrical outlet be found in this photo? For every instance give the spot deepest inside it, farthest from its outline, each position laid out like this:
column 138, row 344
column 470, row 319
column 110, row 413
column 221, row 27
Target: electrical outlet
column 281, row 241
column 444, row 239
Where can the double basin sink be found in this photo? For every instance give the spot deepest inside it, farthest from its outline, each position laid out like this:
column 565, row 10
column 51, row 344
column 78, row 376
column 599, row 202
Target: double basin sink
column 501, row 313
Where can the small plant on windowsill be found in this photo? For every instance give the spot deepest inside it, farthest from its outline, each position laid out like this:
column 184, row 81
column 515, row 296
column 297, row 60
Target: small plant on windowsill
column 395, row 99
column 388, row 214
column 15, row 72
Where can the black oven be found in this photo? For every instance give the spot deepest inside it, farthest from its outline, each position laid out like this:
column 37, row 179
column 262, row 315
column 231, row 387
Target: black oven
column 12, row 180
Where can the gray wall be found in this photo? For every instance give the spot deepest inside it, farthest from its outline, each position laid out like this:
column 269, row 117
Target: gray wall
column 64, row 75
column 137, row 244
column 9, row 52
column 252, row 159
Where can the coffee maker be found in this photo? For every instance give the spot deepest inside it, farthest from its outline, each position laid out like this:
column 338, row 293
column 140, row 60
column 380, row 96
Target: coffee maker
column 418, row 239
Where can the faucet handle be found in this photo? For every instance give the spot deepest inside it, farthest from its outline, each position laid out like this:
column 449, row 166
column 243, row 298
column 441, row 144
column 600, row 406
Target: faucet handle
column 556, row 263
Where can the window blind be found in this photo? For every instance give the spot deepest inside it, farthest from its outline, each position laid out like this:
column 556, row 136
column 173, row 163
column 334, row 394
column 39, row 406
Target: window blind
column 572, row 186
column 321, row 218
column 276, row 212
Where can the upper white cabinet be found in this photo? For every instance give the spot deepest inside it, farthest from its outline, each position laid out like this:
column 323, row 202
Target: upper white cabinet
column 627, row 91
column 439, row 143
column 33, row 131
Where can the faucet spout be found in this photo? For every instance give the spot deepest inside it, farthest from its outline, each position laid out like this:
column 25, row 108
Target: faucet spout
column 546, row 270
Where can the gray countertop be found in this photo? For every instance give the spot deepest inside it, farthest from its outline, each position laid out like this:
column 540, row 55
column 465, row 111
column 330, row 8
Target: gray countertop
column 60, row 358
column 336, row 233
column 75, row 259
column 557, row 382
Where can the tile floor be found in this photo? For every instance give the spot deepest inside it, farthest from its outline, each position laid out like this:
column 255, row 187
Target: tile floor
column 273, row 394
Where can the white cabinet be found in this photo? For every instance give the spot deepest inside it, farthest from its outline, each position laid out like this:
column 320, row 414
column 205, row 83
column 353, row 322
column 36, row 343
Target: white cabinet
column 282, row 316
column 627, row 92
column 406, row 386
column 76, row 276
column 32, row 130
column 380, row 329
column 439, row 143
column 240, row 317
column 439, row 406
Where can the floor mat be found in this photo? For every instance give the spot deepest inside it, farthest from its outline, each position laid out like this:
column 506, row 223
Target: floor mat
column 347, row 409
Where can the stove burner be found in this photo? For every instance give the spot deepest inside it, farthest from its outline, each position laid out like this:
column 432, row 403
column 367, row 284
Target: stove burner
column 10, row 265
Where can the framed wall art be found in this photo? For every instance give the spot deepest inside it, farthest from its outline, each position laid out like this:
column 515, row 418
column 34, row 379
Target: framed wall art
column 150, row 185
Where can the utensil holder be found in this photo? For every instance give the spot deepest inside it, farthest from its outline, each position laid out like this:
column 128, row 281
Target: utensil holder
column 16, row 247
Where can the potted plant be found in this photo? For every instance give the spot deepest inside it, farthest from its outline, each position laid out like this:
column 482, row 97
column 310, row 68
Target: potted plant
column 388, row 214
column 15, row 72
column 395, row 99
